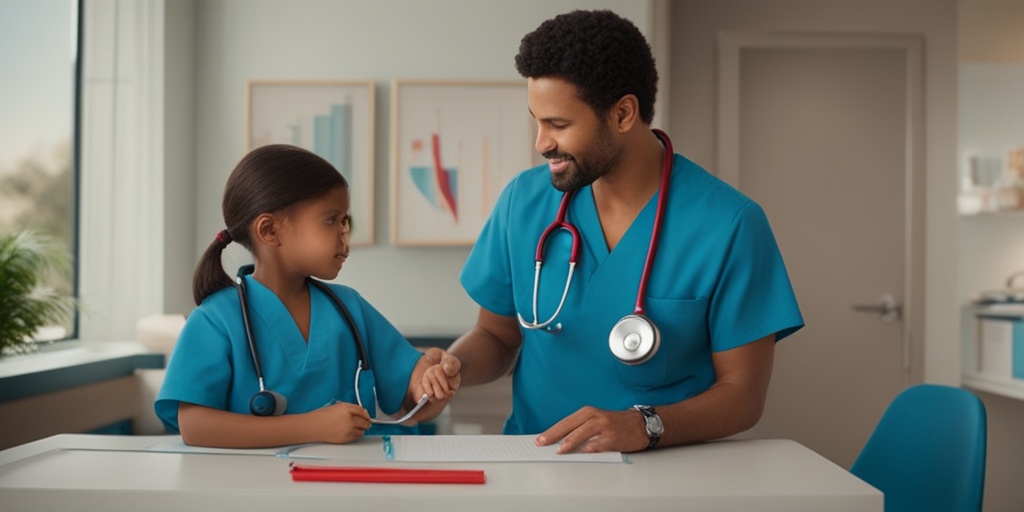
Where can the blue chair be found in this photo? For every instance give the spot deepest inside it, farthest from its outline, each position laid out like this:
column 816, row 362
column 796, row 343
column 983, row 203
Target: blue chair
column 927, row 453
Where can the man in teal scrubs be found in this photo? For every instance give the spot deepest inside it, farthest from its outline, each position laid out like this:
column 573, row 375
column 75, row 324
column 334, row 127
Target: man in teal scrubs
column 718, row 290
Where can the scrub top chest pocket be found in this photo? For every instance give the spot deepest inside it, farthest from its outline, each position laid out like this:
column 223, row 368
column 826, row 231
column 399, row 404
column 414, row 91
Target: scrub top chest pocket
column 684, row 357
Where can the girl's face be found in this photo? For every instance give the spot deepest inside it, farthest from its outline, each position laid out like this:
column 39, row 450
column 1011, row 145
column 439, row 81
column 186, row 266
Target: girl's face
column 314, row 236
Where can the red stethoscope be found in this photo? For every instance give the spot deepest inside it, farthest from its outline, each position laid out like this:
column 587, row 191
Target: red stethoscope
column 635, row 338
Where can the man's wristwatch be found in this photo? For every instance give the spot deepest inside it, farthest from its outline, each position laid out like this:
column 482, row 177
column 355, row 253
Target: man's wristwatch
column 652, row 424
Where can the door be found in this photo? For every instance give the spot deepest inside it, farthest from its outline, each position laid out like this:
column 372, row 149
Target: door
column 822, row 132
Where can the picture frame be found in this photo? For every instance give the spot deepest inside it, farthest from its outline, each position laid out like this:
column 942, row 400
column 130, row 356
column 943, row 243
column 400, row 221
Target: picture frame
column 334, row 119
column 454, row 147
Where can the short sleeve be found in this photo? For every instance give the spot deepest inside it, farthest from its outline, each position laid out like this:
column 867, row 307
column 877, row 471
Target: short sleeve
column 198, row 371
column 487, row 276
column 753, row 297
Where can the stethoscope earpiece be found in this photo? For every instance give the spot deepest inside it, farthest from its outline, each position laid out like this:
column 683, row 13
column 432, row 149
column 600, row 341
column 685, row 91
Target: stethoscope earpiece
column 634, row 339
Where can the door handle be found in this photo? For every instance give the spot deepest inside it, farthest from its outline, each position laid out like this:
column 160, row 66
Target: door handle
column 887, row 308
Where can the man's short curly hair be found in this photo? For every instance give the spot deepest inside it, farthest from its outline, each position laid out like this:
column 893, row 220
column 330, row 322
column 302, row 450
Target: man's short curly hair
column 604, row 55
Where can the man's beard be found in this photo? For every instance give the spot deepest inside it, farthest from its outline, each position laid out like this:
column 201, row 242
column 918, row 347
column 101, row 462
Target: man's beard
column 580, row 174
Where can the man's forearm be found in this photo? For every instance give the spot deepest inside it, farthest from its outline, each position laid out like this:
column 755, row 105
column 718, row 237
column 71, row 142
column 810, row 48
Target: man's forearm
column 484, row 358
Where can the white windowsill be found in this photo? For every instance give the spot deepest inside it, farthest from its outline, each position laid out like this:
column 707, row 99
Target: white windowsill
column 71, row 365
column 75, row 353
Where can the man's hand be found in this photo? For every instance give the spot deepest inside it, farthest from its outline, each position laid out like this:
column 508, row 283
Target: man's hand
column 591, row 430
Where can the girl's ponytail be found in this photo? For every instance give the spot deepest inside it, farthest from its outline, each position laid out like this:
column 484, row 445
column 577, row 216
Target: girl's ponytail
column 209, row 275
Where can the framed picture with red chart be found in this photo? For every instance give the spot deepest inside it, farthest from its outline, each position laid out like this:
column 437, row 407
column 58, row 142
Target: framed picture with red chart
column 454, row 147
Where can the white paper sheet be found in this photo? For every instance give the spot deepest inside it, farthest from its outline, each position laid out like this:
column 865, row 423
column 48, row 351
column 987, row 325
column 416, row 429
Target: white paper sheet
column 488, row 448
column 176, row 445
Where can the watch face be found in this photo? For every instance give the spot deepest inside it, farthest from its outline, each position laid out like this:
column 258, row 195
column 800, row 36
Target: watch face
column 654, row 425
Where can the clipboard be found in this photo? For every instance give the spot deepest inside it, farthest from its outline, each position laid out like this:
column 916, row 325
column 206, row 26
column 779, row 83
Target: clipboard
column 308, row 473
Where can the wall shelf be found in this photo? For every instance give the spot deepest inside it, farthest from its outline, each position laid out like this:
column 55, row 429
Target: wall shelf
column 1017, row 213
column 973, row 374
column 1013, row 388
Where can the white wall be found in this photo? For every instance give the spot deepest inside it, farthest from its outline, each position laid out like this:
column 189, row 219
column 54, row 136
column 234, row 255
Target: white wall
column 991, row 121
column 239, row 40
column 178, row 173
column 991, row 105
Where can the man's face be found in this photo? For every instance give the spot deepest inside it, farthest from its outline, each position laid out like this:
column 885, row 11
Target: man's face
column 577, row 143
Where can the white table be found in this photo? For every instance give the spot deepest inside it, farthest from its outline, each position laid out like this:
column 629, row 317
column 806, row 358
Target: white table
column 111, row 473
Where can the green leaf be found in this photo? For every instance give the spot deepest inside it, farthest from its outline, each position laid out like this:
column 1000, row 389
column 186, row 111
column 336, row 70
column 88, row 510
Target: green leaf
column 29, row 261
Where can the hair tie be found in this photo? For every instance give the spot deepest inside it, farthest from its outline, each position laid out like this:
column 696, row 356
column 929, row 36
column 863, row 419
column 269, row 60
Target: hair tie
column 224, row 237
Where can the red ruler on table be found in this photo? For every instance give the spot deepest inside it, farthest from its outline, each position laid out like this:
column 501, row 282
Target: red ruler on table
column 309, row 473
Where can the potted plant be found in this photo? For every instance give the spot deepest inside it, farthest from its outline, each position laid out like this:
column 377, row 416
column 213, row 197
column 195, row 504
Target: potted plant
column 29, row 262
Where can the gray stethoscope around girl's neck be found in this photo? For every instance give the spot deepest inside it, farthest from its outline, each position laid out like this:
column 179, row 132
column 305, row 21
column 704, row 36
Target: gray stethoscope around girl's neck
column 635, row 338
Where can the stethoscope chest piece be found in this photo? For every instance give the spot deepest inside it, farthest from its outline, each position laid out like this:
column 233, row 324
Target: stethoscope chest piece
column 634, row 339
column 268, row 403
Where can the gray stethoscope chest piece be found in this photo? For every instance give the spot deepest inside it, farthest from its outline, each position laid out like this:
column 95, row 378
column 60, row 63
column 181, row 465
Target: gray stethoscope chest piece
column 634, row 339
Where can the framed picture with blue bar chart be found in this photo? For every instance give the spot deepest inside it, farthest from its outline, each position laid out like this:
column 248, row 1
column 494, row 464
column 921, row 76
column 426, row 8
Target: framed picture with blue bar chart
column 454, row 147
column 334, row 119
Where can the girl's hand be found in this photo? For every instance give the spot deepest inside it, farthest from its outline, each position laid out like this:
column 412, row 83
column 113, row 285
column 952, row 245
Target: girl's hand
column 341, row 422
column 444, row 375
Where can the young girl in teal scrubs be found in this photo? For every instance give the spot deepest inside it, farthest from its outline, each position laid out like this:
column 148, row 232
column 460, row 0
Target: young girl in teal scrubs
column 293, row 373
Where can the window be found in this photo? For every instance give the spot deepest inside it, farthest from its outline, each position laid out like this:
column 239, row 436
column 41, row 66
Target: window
column 39, row 48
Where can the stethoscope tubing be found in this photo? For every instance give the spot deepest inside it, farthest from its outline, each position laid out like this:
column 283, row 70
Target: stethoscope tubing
column 364, row 360
column 560, row 222
column 652, row 249
column 240, row 286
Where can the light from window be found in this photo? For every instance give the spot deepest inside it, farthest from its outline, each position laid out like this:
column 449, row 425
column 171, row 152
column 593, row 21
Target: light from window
column 39, row 42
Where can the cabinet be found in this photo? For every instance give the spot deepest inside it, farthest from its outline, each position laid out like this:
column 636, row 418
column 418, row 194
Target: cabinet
column 87, row 387
column 992, row 359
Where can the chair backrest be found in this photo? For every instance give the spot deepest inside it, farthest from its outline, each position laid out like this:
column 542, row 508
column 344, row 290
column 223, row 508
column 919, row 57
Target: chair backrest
column 927, row 453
